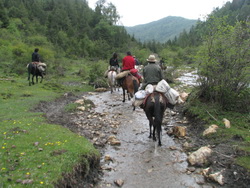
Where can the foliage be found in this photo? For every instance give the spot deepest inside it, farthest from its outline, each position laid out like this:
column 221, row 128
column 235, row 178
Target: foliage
column 32, row 149
column 224, row 65
column 97, row 70
column 68, row 29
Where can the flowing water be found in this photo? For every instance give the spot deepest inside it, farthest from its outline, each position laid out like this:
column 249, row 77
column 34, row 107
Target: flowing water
column 138, row 162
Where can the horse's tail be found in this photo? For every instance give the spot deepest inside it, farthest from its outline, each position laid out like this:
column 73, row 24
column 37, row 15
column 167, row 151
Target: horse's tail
column 136, row 86
column 158, row 113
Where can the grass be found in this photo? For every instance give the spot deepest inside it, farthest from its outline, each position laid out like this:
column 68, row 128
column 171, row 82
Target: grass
column 239, row 133
column 33, row 151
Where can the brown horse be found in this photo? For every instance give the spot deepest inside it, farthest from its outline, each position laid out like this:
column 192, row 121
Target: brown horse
column 154, row 108
column 130, row 84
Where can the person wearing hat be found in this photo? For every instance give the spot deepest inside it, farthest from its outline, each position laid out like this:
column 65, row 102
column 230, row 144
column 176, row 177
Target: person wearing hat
column 152, row 72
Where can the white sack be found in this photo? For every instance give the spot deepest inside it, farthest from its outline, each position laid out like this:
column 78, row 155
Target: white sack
column 141, row 94
column 172, row 96
column 149, row 88
column 162, row 86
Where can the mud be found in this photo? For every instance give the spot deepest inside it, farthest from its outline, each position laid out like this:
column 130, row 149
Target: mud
column 137, row 161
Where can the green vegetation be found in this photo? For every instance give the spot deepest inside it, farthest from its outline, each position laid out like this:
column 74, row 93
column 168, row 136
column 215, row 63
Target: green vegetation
column 31, row 149
column 212, row 113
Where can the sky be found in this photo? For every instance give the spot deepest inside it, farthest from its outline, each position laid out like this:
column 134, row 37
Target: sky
column 136, row 12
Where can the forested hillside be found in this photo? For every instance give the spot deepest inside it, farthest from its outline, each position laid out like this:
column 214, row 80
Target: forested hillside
column 60, row 28
column 161, row 30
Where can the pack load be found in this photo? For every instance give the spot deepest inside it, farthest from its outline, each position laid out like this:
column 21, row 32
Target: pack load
column 171, row 94
column 122, row 74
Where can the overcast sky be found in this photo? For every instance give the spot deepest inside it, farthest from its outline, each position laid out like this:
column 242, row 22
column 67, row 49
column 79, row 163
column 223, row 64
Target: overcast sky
column 136, row 12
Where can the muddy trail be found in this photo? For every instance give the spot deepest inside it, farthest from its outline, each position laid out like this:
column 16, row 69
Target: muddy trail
column 129, row 158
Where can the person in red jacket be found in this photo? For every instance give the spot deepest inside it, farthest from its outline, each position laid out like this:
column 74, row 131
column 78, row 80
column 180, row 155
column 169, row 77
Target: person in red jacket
column 128, row 62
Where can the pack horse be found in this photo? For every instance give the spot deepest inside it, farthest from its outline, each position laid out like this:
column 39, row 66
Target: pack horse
column 36, row 70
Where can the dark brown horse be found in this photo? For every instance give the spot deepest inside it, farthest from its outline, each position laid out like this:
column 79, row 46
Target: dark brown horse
column 154, row 108
column 35, row 71
column 130, row 84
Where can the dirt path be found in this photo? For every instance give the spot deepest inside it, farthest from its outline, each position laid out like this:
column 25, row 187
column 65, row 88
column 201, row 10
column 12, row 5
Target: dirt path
column 138, row 161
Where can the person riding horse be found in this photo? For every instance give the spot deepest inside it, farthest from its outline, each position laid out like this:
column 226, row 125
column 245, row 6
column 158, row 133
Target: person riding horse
column 128, row 65
column 152, row 73
column 113, row 62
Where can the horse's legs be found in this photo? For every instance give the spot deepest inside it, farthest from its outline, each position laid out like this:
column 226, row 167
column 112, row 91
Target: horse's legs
column 154, row 138
column 123, row 90
column 33, row 79
column 150, row 119
column 158, row 127
column 29, row 79
column 41, row 79
column 128, row 95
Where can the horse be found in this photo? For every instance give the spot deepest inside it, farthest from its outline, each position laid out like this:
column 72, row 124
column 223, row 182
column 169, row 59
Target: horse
column 130, row 84
column 36, row 70
column 111, row 80
column 154, row 107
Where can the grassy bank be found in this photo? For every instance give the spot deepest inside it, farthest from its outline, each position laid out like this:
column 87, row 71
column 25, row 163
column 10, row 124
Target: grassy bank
column 34, row 152
column 237, row 137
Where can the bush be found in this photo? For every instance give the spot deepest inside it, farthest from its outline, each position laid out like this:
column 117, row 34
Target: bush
column 224, row 65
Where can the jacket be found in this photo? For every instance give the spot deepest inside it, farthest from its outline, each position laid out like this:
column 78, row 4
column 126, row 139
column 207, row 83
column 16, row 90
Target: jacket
column 128, row 62
column 152, row 74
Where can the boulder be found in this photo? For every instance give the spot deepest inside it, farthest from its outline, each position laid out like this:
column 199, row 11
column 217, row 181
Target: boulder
column 226, row 123
column 200, row 156
column 210, row 129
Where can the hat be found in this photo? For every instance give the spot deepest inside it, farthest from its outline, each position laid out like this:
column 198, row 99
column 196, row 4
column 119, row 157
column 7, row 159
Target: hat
column 151, row 58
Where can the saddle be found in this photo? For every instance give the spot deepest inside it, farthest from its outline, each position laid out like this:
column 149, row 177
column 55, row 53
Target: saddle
column 162, row 96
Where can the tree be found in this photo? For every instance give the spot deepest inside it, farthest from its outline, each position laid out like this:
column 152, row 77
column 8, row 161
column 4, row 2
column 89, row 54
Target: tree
column 224, row 65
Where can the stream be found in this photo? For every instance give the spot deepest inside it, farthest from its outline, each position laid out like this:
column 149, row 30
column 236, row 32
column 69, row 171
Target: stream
column 138, row 162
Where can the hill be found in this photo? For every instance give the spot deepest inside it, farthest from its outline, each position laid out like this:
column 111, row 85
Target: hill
column 161, row 30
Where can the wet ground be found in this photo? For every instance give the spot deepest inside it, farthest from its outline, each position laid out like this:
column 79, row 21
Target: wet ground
column 133, row 160
column 138, row 161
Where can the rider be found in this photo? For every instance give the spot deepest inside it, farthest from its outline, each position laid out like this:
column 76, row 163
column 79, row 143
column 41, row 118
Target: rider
column 152, row 72
column 35, row 56
column 128, row 62
column 113, row 62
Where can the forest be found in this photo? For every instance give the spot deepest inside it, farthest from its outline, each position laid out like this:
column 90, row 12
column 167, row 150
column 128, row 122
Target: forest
column 67, row 30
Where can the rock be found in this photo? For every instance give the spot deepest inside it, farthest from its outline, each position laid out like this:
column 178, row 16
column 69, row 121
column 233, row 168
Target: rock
column 79, row 101
column 27, row 181
column 101, row 89
column 184, row 96
column 119, row 182
column 210, row 129
column 179, row 131
column 108, row 158
column 226, row 123
column 217, row 177
column 206, row 171
column 200, row 156
column 186, row 145
column 112, row 140
column 82, row 108
column 179, row 100
column 191, row 169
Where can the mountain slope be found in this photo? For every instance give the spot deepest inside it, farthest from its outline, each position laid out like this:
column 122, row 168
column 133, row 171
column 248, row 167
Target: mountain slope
column 161, row 30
